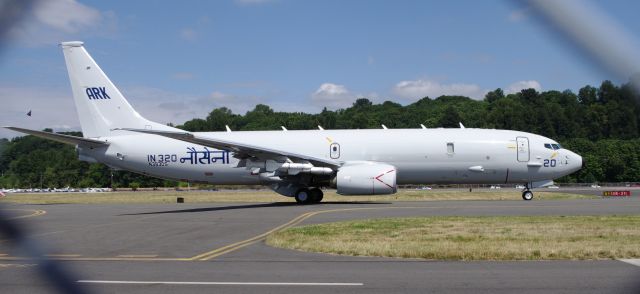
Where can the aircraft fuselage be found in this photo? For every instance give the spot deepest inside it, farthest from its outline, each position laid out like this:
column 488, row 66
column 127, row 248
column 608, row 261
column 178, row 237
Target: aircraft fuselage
column 421, row 156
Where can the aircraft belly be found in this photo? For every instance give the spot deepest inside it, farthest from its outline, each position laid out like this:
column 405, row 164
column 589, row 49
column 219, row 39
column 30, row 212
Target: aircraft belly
column 434, row 173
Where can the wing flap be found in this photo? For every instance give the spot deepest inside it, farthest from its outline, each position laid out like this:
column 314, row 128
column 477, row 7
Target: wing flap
column 67, row 139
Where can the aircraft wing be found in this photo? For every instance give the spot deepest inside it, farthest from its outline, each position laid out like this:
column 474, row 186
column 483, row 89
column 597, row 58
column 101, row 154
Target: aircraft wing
column 67, row 139
column 240, row 150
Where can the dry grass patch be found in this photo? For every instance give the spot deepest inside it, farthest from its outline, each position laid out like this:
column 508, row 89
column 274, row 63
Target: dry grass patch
column 472, row 238
column 269, row 196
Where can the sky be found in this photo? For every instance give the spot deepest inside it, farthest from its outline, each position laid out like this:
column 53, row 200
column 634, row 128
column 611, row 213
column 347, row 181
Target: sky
column 178, row 60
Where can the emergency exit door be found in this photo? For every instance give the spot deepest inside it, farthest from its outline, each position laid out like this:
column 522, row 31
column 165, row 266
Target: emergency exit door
column 523, row 148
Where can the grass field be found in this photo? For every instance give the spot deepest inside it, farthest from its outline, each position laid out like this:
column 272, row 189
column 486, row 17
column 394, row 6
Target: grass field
column 472, row 238
column 269, row 196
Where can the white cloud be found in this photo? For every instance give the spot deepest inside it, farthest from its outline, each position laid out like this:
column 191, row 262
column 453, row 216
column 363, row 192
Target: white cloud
column 237, row 103
column 67, row 16
column 521, row 85
column 54, row 20
column 333, row 96
column 188, row 34
column 164, row 106
column 54, row 108
column 416, row 89
column 50, row 108
column 519, row 15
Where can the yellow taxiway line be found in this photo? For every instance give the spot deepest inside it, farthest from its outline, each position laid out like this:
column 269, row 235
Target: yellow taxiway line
column 34, row 212
column 209, row 255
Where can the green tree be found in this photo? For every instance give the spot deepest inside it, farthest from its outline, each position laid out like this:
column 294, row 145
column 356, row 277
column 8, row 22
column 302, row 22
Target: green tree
column 588, row 95
column 494, row 95
column 450, row 118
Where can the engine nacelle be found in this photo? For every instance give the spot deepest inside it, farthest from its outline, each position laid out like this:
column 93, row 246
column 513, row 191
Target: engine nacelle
column 366, row 178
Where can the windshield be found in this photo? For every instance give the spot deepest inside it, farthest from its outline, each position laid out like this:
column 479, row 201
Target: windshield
column 552, row 146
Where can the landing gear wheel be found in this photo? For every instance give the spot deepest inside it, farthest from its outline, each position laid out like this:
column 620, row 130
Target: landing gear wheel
column 316, row 194
column 527, row 195
column 303, row 196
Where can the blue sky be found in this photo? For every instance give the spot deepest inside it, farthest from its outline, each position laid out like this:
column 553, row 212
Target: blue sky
column 176, row 60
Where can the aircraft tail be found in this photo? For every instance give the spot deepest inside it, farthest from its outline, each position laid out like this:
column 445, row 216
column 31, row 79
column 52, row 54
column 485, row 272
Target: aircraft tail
column 100, row 105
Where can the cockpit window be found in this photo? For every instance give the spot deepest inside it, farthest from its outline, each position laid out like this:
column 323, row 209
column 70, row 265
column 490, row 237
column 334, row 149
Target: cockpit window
column 552, row 146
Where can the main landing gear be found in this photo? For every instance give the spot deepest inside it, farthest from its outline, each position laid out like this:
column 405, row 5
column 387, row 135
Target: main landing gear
column 527, row 194
column 308, row 196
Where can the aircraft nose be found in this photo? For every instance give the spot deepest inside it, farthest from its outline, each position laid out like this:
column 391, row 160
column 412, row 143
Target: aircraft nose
column 579, row 161
column 574, row 162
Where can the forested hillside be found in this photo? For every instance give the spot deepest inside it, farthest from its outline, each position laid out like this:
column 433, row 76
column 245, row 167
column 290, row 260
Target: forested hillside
column 599, row 123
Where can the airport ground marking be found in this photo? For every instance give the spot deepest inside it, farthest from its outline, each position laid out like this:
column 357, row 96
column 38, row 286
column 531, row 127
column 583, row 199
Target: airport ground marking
column 635, row 262
column 17, row 265
column 138, row 255
column 238, row 245
column 34, row 212
column 235, row 246
column 63, row 255
column 218, row 283
column 10, row 258
column 228, row 248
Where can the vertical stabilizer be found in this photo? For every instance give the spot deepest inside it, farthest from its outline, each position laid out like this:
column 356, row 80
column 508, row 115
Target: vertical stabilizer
column 100, row 105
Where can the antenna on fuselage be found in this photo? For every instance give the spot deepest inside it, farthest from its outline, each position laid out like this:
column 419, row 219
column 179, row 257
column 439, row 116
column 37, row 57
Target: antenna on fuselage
column 320, row 128
column 228, row 128
column 384, row 127
column 461, row 125
column 423, row 127
column 283, row 128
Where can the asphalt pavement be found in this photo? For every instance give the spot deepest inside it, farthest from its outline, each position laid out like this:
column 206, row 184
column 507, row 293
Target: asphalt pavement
column 195, row 248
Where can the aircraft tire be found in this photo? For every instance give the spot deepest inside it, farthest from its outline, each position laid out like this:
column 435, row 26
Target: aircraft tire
column 317, row 195
column 304, row 196
column 527, row 195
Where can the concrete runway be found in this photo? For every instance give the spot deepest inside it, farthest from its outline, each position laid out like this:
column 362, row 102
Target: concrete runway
column 194, row 248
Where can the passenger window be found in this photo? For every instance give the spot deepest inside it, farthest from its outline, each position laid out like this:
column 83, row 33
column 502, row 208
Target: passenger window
column 450, row 149
column 547, row 145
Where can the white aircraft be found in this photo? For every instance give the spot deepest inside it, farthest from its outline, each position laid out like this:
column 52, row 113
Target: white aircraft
column 299, row 163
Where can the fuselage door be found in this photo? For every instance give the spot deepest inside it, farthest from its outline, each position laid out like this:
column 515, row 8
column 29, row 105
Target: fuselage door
column 334, row 150
column 523, row 148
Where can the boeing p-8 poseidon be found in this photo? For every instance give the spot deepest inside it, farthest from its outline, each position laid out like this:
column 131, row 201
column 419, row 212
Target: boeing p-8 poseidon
column 299, row 163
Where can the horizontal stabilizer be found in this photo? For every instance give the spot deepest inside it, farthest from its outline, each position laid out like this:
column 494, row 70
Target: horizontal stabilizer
column 241, row 150
column 72, row 140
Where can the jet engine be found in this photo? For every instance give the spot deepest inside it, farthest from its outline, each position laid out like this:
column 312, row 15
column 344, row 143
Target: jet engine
column 366, row 178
